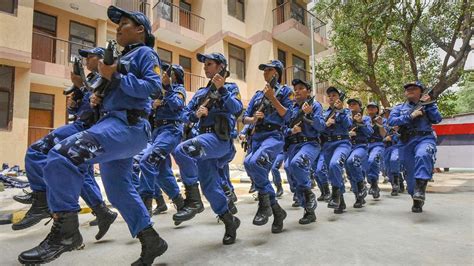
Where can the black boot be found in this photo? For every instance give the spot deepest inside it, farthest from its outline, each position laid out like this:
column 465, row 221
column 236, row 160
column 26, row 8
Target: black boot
column 374, row 186
column 38, row 211
column 231, row 224
column 279, row 191
column 178, row 202
column 252, row 188
column 361, row 190
column 264, row 210
column 160, row 205
column 395, row 185
column 417, row 206
column 327, row 192
column 148, row 201
column 420, row 189
column 321, row 189
column 311, row 203
column 64, row 236
column 152, row 246
column 229, row 193
column 105, row 217
column 192, row 205
column 231, row 206
column 296, row 202
column 26, row 198
column 342, row 206
column 313, row 182
column 278, row 216
column 335, row 200
column 359, row 203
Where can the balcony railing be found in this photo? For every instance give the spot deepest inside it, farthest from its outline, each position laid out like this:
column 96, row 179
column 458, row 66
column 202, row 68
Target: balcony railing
column 134, row 5
column 193, row 82
column 180, row 16
column 54, row 50
column 295, row 72
column 290, row 10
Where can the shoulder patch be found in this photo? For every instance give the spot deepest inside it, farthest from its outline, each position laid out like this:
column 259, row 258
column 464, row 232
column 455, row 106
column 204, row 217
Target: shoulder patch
column 157, row 70
column 291, row 95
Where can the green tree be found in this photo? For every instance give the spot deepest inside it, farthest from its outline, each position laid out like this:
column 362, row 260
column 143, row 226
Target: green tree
column 465, row 100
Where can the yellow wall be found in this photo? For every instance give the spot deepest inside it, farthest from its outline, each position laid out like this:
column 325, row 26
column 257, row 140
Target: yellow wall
column 16, row 30
column 13, row 143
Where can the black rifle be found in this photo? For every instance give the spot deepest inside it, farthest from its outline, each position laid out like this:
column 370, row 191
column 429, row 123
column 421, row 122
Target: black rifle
column 301, row 116
column 333, row 112
column 78, row 70
column 100, row 88
column 212, row 96
column 265, row 103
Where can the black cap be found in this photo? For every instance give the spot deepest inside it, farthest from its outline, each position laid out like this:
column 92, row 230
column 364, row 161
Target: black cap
column 115, row 13
column 295, row 82
column 218, row 57
column 352, row 100
column 373, row 104
column 276, row 64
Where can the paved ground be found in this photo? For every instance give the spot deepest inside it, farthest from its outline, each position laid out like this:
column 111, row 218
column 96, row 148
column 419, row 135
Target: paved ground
column 384, row 232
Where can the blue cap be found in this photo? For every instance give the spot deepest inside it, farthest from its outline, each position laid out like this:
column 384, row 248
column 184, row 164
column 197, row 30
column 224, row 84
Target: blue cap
column 115, row 13
column 355, row 100
column 295, row 82
column 333, row 89
column 213, row 56
column 416, row 84
column 95, row 51
column 273, row 63
column 373, row 104
column 177, row 69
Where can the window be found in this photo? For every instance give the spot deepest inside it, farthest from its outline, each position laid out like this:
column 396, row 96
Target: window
column 282, row 58
column 165, row 55
column 236, row 8
column 6, row 96
column 237, row 62
column 297, row 12
column 82, row 36
column 44, row 42
column 164, row 10
column 44, row 22
column 299, row 71
column 185, row 62
column 9, row 6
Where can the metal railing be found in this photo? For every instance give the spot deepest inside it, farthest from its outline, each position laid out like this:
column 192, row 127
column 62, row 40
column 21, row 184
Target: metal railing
column 54, row 50
column 134, row 5
column 290, row 10
column 295, row 72
column 193, row 82
column 166, row 10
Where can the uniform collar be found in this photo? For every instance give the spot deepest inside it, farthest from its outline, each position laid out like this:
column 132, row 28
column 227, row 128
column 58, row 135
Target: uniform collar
column 130, row 47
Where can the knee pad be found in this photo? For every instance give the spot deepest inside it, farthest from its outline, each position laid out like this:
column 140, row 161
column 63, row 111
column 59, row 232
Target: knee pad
column 303, row 162
column 156, row 157
column 45, row 144
column 341, row 161
column 356, row 161
column 193, row 148
column 81, row 149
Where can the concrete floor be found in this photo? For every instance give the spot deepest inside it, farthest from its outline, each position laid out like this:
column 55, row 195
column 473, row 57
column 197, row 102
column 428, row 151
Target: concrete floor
column 383, row 232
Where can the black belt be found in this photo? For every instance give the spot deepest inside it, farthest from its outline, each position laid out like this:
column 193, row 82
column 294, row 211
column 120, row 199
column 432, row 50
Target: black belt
column 388, row 143
column 163, row 122
column 134, row 115
column 372, row 140
column 424, row 133
column 336, row 137
column 302, row 139
column 266, row 127
column 358, row 141
column 209, row 129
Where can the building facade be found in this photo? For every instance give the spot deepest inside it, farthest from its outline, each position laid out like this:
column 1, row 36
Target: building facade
column 40, row 39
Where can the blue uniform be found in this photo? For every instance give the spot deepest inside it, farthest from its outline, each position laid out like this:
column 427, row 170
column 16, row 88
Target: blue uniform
column 155, row 164
column 337, row 147
column 418, row 153
column 37, row 153
column 358, row 156
column 321, row 170
column 120, row 134
column 276, row 167
column 391, row 155
column 268, row 140
column 376, row 149
column 304, row 148
column 200, row 158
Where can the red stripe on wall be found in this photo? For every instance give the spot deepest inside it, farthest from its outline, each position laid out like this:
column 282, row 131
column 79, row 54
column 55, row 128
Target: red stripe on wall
column 454, row 129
